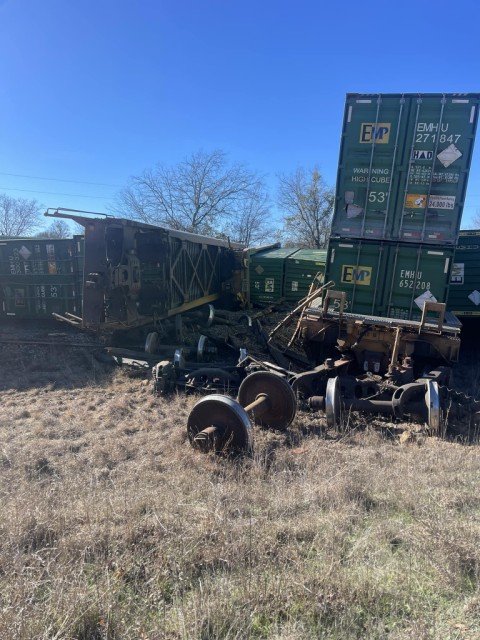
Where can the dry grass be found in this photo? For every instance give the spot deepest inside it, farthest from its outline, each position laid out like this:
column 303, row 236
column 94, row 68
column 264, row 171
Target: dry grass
column 113, row 527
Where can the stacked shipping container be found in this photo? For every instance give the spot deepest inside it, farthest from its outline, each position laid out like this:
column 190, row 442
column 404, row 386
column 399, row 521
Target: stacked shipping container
column 464, row 295
column 389, row 279
column 401, row 184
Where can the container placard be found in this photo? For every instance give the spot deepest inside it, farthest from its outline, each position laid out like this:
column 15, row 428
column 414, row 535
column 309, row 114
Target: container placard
column 269, row 285
column 441, row 202
column 458, row 273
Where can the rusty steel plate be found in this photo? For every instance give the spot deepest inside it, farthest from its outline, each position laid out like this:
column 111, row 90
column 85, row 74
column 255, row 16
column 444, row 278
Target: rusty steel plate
column 280, row 407
column 234, row 431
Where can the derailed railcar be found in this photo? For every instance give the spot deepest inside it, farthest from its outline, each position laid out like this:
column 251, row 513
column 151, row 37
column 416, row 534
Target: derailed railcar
column 383, row 340
column 401, row 368
column 137, row 274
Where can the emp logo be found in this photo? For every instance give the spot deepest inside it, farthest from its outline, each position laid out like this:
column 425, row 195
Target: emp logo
column 379, row 132
column 356, row 275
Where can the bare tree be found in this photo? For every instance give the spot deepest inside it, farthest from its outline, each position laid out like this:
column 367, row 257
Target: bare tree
column 18, row 216
column 250, row 223
column 307, row 201
column 476, row 219
column 200, row 194
column 58, row 229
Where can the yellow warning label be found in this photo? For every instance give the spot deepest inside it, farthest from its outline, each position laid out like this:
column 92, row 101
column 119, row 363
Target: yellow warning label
column 415, row 201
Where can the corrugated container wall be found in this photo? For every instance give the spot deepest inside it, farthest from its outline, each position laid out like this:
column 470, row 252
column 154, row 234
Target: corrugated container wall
column 464, row 295
column 39, row 277
column 303, row 268
column 267, row 272
column 403, row 166
column 389, row 280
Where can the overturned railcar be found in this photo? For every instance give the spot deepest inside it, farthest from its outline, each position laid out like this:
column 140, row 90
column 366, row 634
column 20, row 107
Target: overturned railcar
column 136, row 274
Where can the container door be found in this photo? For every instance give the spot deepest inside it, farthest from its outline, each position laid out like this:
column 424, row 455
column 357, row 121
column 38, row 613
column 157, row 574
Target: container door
column 415, row 274
column 464, row 293
column 358, row 269
column 374, row 128
column 433, row 180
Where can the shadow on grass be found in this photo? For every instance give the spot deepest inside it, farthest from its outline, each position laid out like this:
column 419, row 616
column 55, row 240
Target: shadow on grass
column 47, row 354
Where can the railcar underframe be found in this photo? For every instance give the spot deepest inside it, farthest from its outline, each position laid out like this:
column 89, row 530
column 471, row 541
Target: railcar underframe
column 137, row 274
column 365, row 363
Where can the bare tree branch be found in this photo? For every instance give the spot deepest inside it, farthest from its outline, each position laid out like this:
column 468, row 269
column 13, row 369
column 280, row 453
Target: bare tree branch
column 204, row 193
column 251, row 225
column 307, row 202
column 18, row 216
column 58, row 229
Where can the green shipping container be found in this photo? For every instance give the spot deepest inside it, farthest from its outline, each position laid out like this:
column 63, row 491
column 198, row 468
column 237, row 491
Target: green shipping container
column 464, row 295
column 357, row 268
column 40, row 276
column 38, row 256
column 39, row 299
column 267, row 272
column 403, row 166
column 301, row 269
column 389, row 280
column 79, row 250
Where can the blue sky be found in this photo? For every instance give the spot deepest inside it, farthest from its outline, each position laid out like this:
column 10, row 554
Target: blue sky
column 96, row 91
